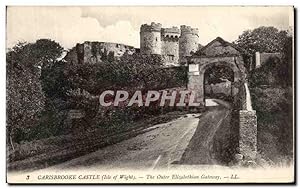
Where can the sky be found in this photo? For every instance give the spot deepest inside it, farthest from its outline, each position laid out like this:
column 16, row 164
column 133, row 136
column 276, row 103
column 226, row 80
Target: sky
column 71, row 25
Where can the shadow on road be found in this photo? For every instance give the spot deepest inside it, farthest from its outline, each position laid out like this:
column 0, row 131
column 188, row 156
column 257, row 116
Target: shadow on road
column 211, row 143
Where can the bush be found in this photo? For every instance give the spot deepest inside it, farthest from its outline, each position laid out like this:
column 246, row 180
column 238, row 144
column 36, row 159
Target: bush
column 130, row 73
column 274, row 118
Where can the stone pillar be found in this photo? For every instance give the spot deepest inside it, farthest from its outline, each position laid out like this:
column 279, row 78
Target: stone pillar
column 257, row 60
column 195, row 83
column 248, row 133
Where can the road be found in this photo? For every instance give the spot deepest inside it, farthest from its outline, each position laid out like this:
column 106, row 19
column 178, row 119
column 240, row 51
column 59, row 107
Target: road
column 200, row 149
column 186, row 140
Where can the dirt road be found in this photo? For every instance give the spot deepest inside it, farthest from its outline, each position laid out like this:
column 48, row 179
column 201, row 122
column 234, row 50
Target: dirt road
column 186, row 140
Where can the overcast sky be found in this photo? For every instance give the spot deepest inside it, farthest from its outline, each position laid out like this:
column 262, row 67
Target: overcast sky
column 71, row 25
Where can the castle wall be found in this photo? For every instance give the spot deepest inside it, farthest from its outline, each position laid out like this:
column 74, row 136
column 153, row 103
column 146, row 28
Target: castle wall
column 88, row 56
column 172, row 43
column 92, row 52
column 188, row 41
column 75, row 55
column 170, row 50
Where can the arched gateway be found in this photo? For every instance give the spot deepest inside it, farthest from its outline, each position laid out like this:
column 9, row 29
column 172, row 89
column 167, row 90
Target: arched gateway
column 216, row 53
column 221, row 53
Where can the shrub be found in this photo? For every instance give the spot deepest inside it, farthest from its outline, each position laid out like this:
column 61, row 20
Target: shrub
column 274, row 118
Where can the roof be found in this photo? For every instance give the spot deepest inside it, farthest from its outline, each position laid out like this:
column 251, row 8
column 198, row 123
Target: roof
column 218, row 47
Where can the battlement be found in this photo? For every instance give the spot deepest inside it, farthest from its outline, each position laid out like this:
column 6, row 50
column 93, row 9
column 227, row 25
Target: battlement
column 188, row 30
column 172, row 33
column 174, row 43
column 152, row 27
column 174, row 30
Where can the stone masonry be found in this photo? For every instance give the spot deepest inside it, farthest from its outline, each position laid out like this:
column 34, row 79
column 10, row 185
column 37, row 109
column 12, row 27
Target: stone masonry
column 92, row 52
column 248, row 133
column 221, row 53
column 173, row 44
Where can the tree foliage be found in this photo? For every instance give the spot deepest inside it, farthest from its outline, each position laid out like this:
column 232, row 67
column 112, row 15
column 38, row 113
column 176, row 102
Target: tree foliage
column 262, row 39
column 271, row 40
column 54, row 82
column 276, row 71
column 131, row 72
column 25, row 98
column 55, row 87
column 218, row 74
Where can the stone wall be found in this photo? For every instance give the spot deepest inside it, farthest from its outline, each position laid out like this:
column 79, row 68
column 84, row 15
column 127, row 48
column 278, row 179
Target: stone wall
column 75, row 55
column 248, row 134
column 262, row 58
column 173, row 44
column 92, row 52
column 195, row 83
column 170, row 50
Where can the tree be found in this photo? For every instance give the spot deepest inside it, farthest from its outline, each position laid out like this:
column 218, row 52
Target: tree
column 46, row 50
column 54, row 82
column 218, row 74
column 130, row 71
column 262, row 39
column 286, row 71
column 139, row 70
column 268, row 39
column 276, row 71
column 25, row 98
column 267, row 74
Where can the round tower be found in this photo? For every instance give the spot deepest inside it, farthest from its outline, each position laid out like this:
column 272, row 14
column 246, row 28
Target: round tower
column 150, row 38
column 188, row 41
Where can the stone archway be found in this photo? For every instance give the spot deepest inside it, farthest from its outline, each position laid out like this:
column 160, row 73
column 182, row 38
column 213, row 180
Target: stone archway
column 220, row 52
column 217, row 82
column 198, row 66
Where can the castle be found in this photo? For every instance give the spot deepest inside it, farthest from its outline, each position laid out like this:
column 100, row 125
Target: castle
column 93, row 52
column 173, row 44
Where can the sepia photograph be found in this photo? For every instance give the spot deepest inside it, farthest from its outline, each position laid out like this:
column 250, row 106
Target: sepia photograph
column 150, row 94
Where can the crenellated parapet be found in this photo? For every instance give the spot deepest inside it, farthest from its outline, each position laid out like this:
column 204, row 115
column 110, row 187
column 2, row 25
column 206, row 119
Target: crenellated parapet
column 170, row 32
column 150, row 28
column 189, row 30
column 175, row 43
